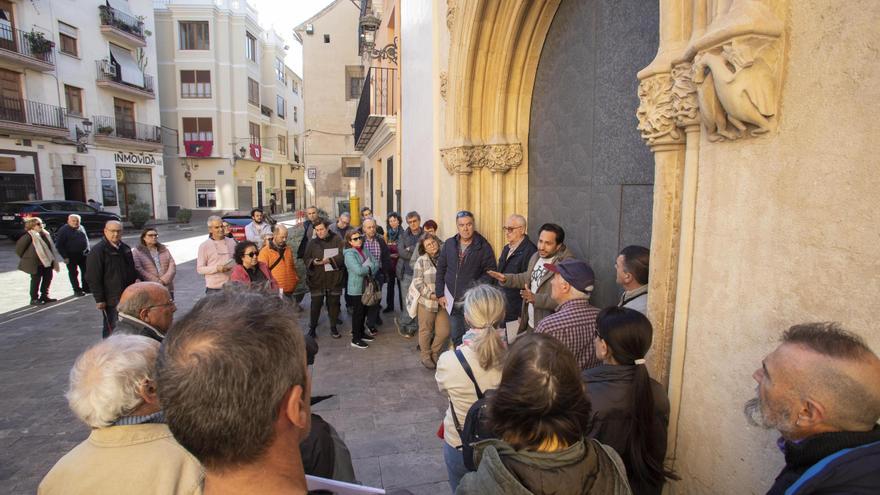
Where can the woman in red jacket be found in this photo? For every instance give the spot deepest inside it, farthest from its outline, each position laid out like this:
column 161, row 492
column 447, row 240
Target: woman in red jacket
column 250, row 271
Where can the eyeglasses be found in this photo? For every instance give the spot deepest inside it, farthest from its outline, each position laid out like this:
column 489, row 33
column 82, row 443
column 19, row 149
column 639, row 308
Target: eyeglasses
column 152, row 235
column 252, row 254
column 169, row 303
column 510, row 229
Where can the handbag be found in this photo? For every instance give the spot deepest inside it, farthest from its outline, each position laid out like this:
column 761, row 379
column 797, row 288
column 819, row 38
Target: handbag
column 372, row 292
column 412, row 301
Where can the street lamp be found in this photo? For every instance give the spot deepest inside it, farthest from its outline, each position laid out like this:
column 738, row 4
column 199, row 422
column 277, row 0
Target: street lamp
column 82, row 135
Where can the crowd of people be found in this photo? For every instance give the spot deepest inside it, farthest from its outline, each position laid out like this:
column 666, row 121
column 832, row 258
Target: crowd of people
column 547, row 393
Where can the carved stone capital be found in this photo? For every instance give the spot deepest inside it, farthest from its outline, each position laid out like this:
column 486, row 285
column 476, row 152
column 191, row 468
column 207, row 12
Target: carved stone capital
column 685, row 109
column 444, row 83
column 498, row 158
column 655, row 112
column 450, row 14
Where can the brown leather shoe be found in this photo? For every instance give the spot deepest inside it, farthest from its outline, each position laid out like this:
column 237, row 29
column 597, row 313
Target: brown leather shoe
column 427, row 363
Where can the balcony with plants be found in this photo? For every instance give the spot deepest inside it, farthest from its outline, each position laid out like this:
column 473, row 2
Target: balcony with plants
column 27, row 49
column 127, row 132
column 123, row 28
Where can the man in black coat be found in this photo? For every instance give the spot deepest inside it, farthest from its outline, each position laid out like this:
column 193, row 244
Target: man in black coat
column 464, row 262
column 109, row 270
column 72, row 242
column 514, row 258
column 308, row 230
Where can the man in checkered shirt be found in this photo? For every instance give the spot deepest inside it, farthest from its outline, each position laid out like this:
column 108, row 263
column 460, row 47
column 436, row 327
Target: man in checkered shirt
column 574, row 322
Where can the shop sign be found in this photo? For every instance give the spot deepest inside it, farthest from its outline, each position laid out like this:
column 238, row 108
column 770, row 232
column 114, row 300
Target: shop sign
column 131, row 158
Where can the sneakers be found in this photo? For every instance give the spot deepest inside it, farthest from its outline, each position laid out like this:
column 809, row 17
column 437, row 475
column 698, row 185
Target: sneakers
column 334, row 333
column 359, row 344
column 79, row 293
column 367, row 338
column 47, row 299
column 37, row 302
column 370, row 332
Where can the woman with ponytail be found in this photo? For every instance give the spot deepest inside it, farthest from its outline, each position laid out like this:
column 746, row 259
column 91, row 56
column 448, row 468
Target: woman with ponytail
column 630, row 409
column 475, row 367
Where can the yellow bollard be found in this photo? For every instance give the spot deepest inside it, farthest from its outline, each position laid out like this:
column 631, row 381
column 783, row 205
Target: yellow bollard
column 354, row 208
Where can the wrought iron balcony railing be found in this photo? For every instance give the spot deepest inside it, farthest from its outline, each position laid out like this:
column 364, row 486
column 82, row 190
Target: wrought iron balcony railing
column 105, row 126
column 32, row 113
column 31, row 44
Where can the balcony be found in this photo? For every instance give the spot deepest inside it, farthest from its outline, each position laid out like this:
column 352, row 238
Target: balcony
column 121, row 27
column 30, row 50
column 26, row 118
column 127, row 133
column 376, row 104
column 137, row 83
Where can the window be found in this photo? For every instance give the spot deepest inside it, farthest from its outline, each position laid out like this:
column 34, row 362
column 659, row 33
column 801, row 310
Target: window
column 197, row 129
column 206, row 194
column 194, row 35
column 279, row 70
column 282, row 144
column 254, row 130
column 253, row 92
column 296, row 149
column 123, row 110
column 295, row 87
column 326, row 38
column 73, row 97
column 280, row 106
column 67, row 35
column 250, row 47
column 195, row 84
column 354, row 75
column 295, row 119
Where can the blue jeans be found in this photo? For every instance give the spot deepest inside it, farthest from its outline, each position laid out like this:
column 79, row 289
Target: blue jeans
column 407, row 322
column 454, row 465
column 457, row 325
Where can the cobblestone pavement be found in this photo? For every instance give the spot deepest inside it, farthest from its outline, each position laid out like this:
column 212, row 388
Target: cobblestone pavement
column 385, row 405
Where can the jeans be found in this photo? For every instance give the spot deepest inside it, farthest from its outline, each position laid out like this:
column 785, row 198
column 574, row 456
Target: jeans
column 454, row 465
column 407, row 322
column 357, row 319
column 457, row 324
column 40, row 282
column 75, row 266
column 110, row 317
column 318, row 302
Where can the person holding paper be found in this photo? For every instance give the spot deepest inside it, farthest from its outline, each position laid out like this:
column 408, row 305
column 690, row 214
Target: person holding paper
column 432, row 319
column 324, row 261
column 360, row 264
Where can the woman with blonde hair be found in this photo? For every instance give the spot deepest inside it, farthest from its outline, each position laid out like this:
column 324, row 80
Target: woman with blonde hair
column 38, row 259
column 474, row 367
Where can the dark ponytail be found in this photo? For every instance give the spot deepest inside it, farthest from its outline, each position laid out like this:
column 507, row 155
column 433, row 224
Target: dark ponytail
column 628, row 334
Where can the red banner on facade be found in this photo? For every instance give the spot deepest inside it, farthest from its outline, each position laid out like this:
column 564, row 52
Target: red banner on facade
column 198, row 148
column 256, row 152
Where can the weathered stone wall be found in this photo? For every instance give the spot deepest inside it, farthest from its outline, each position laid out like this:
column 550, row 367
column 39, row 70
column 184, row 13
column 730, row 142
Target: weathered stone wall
column 786, row 231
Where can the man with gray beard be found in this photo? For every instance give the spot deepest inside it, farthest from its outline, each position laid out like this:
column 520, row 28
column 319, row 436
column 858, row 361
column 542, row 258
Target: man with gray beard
column 821, row 390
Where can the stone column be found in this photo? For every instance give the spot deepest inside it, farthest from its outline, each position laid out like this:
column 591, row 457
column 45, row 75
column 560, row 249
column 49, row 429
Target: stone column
column 500, row 159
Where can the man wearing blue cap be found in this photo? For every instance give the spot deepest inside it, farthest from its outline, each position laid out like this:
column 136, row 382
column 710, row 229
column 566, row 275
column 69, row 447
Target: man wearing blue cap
column 574, row 322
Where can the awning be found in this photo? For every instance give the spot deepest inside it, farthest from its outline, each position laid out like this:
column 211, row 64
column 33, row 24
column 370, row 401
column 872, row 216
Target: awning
column 129, row 71
column 120, row 5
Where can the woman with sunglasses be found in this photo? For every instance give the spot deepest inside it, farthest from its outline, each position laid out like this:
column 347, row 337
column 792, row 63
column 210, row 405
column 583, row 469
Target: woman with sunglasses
column 153, row 260
column 248, row 270
column 359, row 263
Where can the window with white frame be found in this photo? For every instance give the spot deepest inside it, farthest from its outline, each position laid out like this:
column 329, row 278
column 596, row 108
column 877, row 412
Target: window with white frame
column 280, row 106
column 206, row 194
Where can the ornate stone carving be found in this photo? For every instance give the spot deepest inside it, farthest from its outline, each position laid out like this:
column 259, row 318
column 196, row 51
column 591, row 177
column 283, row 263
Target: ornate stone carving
column 655, row 112
column 450, row 14
column 496, row 157
column 444, row 81
column 685, row 109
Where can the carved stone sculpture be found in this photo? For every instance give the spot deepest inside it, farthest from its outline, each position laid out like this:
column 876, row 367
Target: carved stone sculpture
column 685, row 107
column 450, row 14
column 444, row 82
column 655, row 112
column 495, row 157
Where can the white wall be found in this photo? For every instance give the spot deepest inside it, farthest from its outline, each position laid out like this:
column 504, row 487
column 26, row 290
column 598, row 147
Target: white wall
column 418, row 104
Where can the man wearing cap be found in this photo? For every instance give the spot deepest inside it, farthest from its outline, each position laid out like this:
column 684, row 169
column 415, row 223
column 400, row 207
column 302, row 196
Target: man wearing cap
column 574, row 322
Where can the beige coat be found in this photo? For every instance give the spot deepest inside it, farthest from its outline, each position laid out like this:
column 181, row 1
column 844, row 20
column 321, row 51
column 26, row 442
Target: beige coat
column 134, row 460
column 544, row 304
column 459, row 389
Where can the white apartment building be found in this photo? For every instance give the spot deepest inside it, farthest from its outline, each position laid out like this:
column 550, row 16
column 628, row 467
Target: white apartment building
column 333, row 77
column 227, row 94
column 294, row 192
column 79, row 115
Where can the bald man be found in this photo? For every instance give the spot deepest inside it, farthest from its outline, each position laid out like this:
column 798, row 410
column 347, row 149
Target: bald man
column 109, row 270
column 145, row 308
column 821, row 390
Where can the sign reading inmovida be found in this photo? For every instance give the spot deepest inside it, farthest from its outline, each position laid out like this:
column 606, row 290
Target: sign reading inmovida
column 130, row 158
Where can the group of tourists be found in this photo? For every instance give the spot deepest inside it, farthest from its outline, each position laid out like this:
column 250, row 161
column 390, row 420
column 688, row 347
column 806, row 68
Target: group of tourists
column 547, row 393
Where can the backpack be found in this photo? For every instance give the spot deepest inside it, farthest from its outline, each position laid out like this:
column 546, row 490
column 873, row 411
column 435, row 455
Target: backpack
column 476, row 426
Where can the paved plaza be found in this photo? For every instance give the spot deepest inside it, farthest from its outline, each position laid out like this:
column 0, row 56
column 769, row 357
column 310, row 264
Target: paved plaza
column 385, row 405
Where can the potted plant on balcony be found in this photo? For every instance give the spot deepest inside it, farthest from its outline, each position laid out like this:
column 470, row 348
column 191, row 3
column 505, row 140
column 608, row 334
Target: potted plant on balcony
column 38, row 43
column 105, row 130
column 106, row 15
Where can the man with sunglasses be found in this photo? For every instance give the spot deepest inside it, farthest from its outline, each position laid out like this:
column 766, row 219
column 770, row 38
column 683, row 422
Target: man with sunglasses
column 145, row 308
column 632, row 275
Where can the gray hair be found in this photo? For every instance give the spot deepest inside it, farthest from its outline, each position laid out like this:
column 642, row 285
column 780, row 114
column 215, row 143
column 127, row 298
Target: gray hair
column 106, row 379
column 520, row 219
column 345, row 214
column 140, row 299
column 74, row 215
column 111, row 222
column 370, row 219
column 214, row 218
column 278, row 226
column 413, row 214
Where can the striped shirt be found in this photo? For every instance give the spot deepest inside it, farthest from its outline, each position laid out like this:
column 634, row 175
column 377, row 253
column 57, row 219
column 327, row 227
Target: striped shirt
column 574, row 324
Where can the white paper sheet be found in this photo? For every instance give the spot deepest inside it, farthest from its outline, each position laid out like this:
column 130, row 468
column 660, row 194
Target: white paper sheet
column 449, row 299
column 340, row 487
column 329, row 253
column 512, row 327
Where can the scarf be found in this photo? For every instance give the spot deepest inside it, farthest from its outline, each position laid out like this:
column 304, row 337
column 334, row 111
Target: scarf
column 45, row 250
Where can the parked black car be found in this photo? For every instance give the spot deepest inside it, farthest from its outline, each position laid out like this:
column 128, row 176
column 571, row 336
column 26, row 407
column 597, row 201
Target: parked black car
column 54, row 214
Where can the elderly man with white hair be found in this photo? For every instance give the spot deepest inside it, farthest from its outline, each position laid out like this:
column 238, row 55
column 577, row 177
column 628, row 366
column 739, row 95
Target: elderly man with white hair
column 109, row 270
column 214, row 259
column 130, row 450
column 72, row 242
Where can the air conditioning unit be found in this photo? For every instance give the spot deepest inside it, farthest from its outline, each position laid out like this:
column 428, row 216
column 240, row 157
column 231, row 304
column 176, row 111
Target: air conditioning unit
column 310, row 29
column 108, row 68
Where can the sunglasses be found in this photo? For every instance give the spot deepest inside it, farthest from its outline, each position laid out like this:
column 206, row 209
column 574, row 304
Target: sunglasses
column 252, row 254
column 464, row 213
column 356, row 238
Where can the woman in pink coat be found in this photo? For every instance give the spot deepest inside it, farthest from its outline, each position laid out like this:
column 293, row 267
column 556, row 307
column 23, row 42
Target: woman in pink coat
column 153, row 260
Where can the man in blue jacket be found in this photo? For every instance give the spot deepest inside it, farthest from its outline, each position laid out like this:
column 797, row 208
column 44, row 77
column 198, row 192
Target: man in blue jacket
column 464, row 262
column 821, row 390
column 73, row 245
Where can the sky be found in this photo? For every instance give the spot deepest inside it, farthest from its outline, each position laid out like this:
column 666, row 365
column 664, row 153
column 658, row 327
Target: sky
column 283, row 16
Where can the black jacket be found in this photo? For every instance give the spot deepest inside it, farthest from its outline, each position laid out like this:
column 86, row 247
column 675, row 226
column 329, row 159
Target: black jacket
column 854, row 472
column 610, row 389
column 109, row 271
column 461, row 276
column 72, row 243
column 317, row 277
column 129, row 325
column 518, row 262
column 307, row 236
